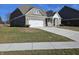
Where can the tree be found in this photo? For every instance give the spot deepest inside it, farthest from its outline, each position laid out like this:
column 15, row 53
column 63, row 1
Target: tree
column 8, row 18
column 1, row 22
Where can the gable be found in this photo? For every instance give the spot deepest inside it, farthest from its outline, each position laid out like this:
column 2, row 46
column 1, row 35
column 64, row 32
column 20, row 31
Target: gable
column 56, row 15
column 35, row 12
column 15, row 13
column 25, row 8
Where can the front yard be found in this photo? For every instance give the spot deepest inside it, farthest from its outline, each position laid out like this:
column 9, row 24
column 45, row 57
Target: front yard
column 21, row 34
column 70, row 28
column 43, row 52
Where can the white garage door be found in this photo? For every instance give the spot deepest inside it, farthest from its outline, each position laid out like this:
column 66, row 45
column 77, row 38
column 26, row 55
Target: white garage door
column 36, row 23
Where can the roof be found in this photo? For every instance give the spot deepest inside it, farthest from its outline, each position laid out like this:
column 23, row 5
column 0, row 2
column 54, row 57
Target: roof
column 50, row 13
column 25, row 8
column 68, row 13
column 43, row 12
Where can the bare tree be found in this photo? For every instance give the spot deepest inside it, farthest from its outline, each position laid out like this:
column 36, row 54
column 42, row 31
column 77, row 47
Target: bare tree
column 1, row 22
column 8, row 18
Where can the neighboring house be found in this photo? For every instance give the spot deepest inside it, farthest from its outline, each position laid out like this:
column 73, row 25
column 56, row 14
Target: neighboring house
column 27, row 15
column 69, row 16
column 66, row 16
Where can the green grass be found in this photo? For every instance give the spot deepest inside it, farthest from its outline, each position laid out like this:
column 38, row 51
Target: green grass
column 21, row 34
column 43, row 52
column 70, row 28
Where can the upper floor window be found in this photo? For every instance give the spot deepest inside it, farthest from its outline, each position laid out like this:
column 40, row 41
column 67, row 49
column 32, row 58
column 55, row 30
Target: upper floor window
column 35, row 11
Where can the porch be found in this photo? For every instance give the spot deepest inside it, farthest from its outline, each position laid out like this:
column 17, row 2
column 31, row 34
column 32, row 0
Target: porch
column 49, row 21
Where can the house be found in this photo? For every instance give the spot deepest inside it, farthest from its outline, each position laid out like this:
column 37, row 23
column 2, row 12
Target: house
column 67, row 16
column 35, row 17
column 27, row 15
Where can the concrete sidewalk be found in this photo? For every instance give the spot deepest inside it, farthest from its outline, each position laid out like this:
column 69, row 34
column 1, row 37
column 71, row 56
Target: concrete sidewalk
column 74, row 35
column 38, row 46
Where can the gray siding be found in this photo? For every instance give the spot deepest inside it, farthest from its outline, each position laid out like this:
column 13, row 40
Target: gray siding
column 70, row 22
column 19, row 22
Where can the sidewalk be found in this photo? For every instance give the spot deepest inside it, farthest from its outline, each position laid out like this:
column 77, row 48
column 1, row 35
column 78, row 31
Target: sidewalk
column 38, row 46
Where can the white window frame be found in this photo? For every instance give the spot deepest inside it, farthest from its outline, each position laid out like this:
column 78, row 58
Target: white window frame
column 36, row 12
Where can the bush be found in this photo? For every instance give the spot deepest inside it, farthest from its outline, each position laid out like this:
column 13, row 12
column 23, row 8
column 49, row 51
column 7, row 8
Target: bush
column 61, row 25
column 27, row 26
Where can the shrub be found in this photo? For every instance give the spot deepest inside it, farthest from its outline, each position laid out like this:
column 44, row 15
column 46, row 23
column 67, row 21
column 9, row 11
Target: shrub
column 27, row 26
column 61, row 25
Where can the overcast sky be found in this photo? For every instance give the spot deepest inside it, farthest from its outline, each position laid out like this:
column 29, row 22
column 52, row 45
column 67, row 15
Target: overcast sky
column 6, row 9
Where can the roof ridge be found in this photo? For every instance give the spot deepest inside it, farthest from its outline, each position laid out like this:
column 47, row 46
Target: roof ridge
column 25, row 8
column 69, row 8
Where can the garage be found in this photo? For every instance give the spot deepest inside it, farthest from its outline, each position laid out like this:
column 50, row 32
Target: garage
column 36, row 23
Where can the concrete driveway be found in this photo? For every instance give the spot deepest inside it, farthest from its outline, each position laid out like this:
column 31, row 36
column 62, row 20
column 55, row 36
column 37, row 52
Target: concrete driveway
column 74, row 35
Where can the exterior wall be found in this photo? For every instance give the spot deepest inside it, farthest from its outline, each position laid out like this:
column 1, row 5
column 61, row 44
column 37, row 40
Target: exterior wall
column 18, row 22
column 69, row 22
column 27, row 18
column 34, row 11
column 44, row 23
column 57, row 19
column 34, row 14
column 49, row 22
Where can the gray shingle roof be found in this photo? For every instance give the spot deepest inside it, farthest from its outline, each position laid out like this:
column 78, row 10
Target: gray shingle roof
column 50, row 13
column 25, row 8
column 68, row 13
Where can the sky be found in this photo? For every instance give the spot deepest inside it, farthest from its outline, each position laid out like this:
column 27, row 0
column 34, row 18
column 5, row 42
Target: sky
column 6, row 9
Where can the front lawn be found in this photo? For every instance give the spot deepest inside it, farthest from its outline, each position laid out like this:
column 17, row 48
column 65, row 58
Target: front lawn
column 70, row 28
column 44, row 52
column 21, row 34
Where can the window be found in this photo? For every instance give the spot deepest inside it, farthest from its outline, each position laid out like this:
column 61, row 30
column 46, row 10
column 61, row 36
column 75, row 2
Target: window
column 35, row 11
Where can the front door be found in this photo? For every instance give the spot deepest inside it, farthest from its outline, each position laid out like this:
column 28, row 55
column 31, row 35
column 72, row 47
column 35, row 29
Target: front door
column 55, row 21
